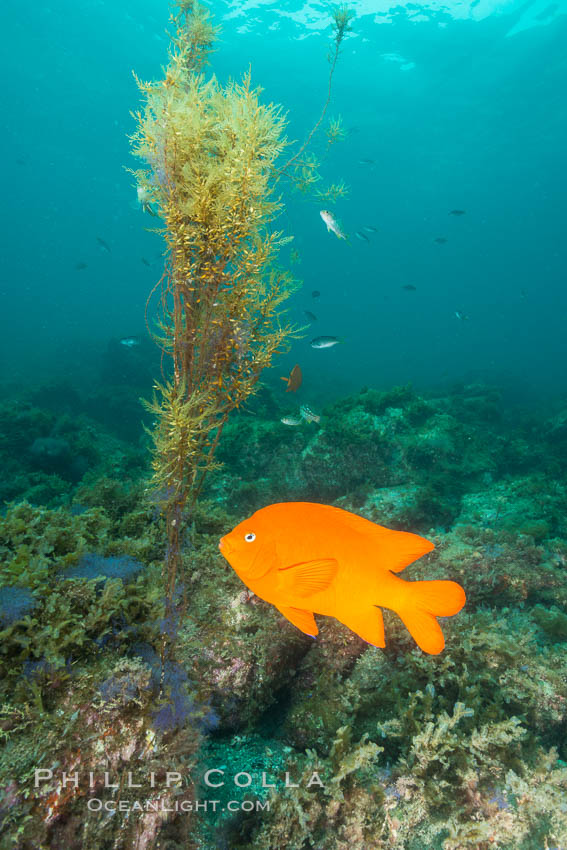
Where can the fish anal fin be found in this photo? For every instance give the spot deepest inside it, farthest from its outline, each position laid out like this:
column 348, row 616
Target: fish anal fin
column 304, row 620
column 424, row 629
column 309, row 577
column 367, row 623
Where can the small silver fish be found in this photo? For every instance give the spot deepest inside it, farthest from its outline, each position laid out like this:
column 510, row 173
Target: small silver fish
column 362, row 236
column 461, row 316
column 291, row 420
column 332, row 224
column 370, row 229
column 308, row 414
column 144, row 199
column 130, row 341
column 324, row 341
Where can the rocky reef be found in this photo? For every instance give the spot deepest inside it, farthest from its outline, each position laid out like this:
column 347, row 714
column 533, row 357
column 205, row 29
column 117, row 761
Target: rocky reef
column 325, row 743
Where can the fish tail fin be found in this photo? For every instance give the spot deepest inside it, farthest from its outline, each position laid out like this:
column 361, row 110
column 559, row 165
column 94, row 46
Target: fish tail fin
column 424, row 602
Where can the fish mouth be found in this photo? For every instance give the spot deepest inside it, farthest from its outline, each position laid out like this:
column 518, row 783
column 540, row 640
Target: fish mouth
column 224, row 546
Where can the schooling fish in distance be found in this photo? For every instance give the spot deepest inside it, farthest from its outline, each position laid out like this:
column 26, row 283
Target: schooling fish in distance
column 362, row 236
column 457, row 212
column 369, row 228
column 80, row 266
column 307, row 559
column 315, row 293
column 461, row 316
column 325, row 341
column 130, row 341
column 409, row 287
column 440, row 240
column 311, row 316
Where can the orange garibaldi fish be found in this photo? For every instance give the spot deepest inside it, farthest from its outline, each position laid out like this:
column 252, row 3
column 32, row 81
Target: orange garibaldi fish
column 294, row 380
column 307, row 558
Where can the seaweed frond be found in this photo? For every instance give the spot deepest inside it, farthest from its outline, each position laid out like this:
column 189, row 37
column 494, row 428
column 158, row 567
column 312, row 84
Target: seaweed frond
column 209, row 151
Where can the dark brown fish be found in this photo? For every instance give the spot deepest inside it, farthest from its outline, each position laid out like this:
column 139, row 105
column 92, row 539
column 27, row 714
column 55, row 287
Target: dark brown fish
column 104, row 246
column 294, row 381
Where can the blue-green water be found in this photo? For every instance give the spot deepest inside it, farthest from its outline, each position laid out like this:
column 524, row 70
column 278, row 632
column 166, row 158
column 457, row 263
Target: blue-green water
column 459, row 106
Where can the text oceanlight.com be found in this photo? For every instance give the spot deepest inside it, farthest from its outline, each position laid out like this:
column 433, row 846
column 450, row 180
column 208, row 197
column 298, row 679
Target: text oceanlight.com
column 96, row 805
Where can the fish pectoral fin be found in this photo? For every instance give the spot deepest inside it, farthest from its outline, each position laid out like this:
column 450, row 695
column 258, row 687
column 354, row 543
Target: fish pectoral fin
column 309, row 577
column 304, row 620
column 284, row 379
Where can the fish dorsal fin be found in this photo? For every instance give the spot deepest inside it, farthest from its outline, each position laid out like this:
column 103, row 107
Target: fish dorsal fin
column 400, row 548
column 394, row 550
column 304, row 620
column 308, row 577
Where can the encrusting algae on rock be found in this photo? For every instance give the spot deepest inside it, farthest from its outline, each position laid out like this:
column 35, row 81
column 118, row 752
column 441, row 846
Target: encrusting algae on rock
column 464, row 750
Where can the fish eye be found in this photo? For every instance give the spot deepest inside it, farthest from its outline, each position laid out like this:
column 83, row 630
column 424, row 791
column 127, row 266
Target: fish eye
column 250, row 537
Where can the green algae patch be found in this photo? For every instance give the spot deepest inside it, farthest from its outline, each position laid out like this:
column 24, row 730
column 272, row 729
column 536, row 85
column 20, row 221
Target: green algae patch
column 552, row 622
column 456, row 752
